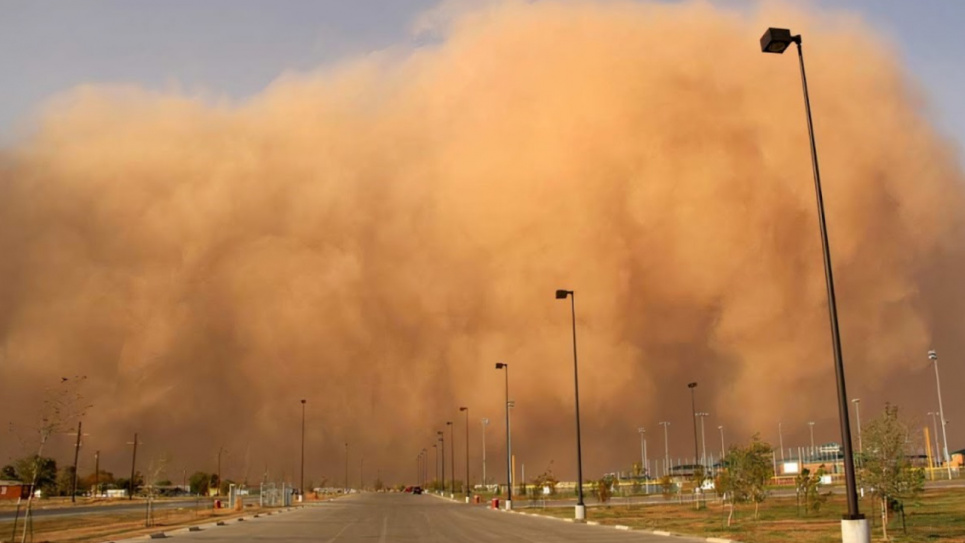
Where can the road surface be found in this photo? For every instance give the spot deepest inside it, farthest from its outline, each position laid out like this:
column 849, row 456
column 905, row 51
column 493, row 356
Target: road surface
column 382, row 518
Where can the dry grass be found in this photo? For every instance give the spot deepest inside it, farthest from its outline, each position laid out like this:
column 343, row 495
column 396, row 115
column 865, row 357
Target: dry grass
column 938, row 516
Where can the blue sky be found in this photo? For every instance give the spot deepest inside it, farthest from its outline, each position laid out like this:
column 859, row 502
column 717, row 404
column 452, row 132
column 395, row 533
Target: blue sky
column 237, row 47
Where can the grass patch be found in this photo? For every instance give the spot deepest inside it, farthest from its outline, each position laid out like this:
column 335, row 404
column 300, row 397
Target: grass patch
column 938, row 515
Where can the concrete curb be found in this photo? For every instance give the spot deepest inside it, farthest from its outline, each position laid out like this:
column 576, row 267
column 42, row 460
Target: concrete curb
column 621, row 527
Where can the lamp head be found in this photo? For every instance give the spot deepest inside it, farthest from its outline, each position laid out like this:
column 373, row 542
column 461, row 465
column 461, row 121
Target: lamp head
column 500, row 365
column 642, row 430
column 692, row 385
column 303, row 402
column 777, row 40
column 464, row 409
column 562, row 294
column 932, row 355
column 856, row 400
column 448, row 423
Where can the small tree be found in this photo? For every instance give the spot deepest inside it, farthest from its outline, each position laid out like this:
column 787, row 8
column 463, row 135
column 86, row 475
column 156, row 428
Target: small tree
column 885, row 466
column 200, row 482
column 667, row 487
column 604, row 488
column 39, row 470
column 748, row 471
column 808, row 492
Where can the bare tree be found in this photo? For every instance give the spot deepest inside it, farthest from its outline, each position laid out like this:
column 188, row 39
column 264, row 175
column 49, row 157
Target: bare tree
column 63, row 405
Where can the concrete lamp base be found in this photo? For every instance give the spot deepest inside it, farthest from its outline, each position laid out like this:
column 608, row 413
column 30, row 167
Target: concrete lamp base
column 855, row 531
column 580, row 513
column 509, row 505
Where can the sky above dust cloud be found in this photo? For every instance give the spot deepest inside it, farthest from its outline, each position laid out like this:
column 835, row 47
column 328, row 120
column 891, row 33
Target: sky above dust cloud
column 374, row 235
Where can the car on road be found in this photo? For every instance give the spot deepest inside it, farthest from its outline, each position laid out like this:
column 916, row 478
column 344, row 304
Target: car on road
column 417, row 490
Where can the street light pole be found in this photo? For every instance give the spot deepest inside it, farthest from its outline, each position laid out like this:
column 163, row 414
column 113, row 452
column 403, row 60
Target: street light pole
column 693, row 407
column 723, row 449
column 442, row 439
column 811, row 428
column 643, row 448
column 780, row 437
column 580, row 512
column 854, row 526
column 857, row 414
column 346, row 467
column 302, row 483
column 509, row 454
column 666, row 448
column 435, row 461
column 452, row 458
column 485, row 422
column 466, row 409
column 933, row 356
column 703, row 440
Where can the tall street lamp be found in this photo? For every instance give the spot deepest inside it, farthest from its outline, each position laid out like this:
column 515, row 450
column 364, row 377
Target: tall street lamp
column 780, row 437
column 561, row 294
column 466, row 409
column 693, row 407
column 703, row 440
column 857, row 414
column 435, row 461
column 442, row 439
column 643, row 449
column 509, row 458
column 485, row 422
column 811, row 428
column 723, row 449
column 666, row 448
column 302, row 479
column 346, row 467
column 933, row 356
column 854, row 526
column 452, row 459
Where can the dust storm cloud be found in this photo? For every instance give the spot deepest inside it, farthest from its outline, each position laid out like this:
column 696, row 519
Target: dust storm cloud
column 375, row 236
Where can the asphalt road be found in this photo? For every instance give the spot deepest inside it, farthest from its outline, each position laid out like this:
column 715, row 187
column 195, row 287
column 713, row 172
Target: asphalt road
column 408, row 518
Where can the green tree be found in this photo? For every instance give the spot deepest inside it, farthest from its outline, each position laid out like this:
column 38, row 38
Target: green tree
column 199, row 482
column 748, row 471
column 808, row 490
column 65, row 481
column 8, row 473
column 885, row 466
column 41, row 470
column 604, row 488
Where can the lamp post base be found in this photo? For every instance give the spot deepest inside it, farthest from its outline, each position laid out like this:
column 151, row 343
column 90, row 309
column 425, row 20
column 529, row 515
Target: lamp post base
column 467, row 499
column 509, row 505
column 580, row 513
column 855, row 531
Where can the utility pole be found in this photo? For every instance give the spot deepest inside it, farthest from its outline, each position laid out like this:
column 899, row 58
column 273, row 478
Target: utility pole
column 97, row 472
column 73, row 482
column 130, row 496
column 346, row 467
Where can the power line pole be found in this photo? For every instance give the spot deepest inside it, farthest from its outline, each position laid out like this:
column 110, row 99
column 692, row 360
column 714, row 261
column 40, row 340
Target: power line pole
column 73, row 482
